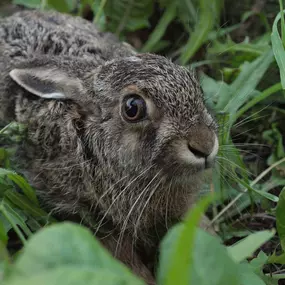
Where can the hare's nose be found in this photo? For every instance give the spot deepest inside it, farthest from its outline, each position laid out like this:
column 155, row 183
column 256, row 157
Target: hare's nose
column 202, row 144
column 200, row 151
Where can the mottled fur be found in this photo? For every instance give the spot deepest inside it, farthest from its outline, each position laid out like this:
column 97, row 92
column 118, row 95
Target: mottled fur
column 80, row 155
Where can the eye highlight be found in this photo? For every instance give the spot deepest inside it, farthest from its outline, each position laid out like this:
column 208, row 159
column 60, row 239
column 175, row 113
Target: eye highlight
column 134, row 108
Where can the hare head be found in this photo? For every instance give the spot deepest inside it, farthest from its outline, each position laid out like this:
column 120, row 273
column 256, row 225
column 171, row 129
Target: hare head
column 134, row 133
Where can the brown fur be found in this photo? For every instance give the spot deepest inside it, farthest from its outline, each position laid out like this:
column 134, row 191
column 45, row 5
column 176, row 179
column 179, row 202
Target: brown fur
column 83, row 159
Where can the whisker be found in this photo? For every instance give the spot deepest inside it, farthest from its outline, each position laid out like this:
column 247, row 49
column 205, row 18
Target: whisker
column 146, row 204
column 119, row 195
column 131, row 210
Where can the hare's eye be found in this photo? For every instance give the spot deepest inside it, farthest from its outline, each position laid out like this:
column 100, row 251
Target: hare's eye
column 134, row 108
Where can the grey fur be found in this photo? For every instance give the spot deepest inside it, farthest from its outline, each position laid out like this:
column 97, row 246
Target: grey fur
column 80, row 155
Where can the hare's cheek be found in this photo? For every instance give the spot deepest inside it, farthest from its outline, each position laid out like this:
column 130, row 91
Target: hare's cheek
column 130, row 141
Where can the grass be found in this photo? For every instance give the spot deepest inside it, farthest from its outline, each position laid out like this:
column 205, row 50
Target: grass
column 240, row 59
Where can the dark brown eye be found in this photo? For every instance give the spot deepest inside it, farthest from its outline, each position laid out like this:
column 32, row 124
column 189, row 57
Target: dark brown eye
column 134, row 108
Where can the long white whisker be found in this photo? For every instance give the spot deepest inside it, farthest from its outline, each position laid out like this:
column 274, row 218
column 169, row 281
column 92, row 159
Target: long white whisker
column 120, row 194
column 131, row 210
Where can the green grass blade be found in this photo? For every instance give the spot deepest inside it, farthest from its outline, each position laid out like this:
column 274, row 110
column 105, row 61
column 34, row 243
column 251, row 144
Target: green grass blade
column 21, row 182
column 25, row 204
column 161, row 27
column 246, row 83
column 209, row 11
column 11, row 220
column 255, row 100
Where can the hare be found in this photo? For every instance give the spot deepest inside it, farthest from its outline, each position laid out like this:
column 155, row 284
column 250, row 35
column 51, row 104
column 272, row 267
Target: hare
column 115, row 139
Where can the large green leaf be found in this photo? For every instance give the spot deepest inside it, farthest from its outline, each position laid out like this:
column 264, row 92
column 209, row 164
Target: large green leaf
column 69, row 275
column 247, row 246
column 280, row 218
column 278, row 49
column 210, row 258
column 181, row 257
column 65, row 244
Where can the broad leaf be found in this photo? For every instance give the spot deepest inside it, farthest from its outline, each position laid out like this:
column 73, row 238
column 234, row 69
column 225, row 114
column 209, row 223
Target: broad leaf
column 70, row 275
column 280, row 218
column 65, row 244
column 247, row 246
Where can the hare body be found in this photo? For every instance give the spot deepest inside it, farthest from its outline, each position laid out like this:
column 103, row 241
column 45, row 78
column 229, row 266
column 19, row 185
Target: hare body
column 87, row 155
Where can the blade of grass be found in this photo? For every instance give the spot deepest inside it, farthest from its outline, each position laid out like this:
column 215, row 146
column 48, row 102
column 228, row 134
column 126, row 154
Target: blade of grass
column 100, row 10
column 167, row 17
column 209, row 11
column 13, row 224
column 262, row 96
column 24, row 204
column 21, row 182
column 246, row 83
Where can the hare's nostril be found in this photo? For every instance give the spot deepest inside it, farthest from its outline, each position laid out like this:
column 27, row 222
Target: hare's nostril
column 197, row 152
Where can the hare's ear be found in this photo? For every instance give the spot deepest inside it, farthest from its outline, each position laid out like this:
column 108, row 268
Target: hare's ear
column 49, row 83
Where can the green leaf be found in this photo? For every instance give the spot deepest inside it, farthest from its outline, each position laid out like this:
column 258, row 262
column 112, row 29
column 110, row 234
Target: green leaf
column 65, row 244
column 3, row 234
column 210, row 258
column 61, row 6
column 29, row 3
column 124, row 13
column 260, row 96
column 15, row 217
column 279, row 259
column 280, row 218
column 248, row 277
column 165, row 20
column 24, row 204
column 257, row 263
column 231, row 47
column 181, row 259
column 246, row 83
column 278, row 49
column 247, row 246
column 208, row 14
column 21, row 182
column 70, row 275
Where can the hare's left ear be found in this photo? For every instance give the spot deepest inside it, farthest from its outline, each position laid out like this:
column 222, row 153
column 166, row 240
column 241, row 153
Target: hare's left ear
column 49, row 83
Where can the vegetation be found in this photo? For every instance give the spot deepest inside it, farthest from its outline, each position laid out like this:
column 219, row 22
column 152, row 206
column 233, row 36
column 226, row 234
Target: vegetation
column 240, row 58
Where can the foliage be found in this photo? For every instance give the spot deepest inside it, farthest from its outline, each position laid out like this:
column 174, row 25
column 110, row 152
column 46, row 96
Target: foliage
column 242, row 85
column 67, row 253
